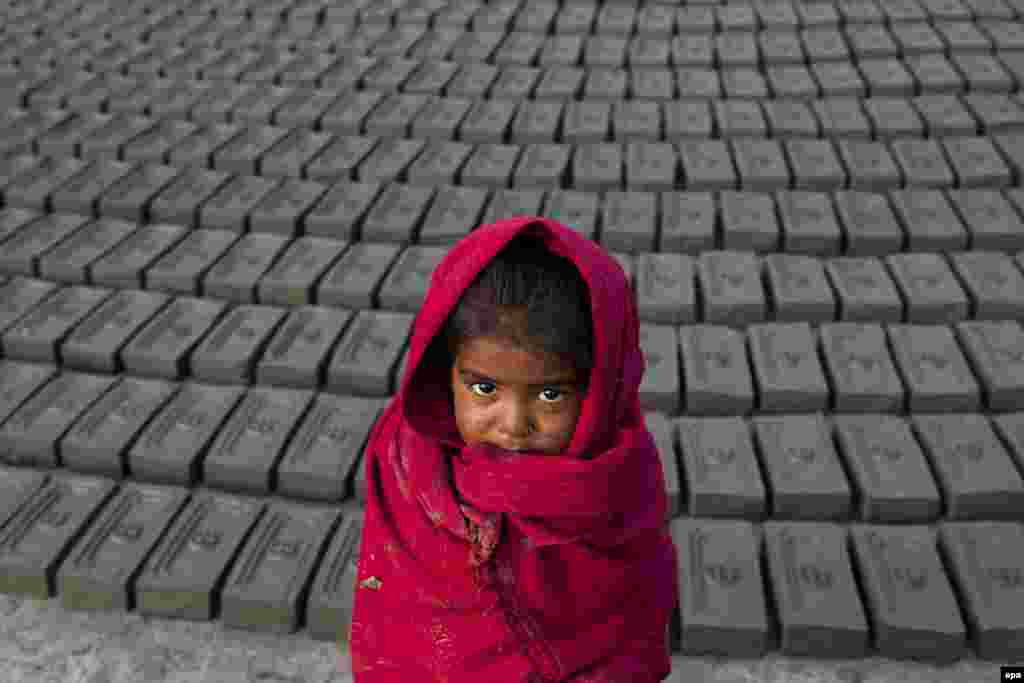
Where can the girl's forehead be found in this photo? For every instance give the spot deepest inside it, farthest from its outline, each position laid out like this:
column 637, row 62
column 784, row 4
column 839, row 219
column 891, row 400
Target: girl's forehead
column 500, row 358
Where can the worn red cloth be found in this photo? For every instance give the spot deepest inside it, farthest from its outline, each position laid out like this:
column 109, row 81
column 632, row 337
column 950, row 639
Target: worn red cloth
column 482, row 566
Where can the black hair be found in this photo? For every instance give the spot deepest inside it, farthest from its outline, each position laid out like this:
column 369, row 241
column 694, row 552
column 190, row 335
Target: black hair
column 525, row 275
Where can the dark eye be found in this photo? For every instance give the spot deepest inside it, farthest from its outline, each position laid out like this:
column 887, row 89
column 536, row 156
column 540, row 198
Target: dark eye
column 557, row 395
column 482, row 384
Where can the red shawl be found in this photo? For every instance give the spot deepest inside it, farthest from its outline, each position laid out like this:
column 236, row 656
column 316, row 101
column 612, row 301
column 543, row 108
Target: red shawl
column 477, row 566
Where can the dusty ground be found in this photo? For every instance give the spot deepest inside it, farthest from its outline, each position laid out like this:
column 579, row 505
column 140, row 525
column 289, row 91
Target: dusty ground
column 43, row 643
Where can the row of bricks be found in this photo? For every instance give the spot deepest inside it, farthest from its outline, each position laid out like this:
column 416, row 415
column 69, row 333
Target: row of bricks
column 42, row 151
column 430, row 115
column 305, row 445
column 305, row 57
column 878, row 76
column 697, row 368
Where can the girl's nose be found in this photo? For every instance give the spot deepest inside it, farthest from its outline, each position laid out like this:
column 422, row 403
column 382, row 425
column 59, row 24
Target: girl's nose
column 516, row 423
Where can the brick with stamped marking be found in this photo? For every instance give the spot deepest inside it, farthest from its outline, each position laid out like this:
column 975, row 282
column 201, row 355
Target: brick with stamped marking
column 354, row 280
column 577, row 210
column 125, row 265
column 230, row 207
column 731, row 285
column 720, row 466
column 864, row 290
column 296, row 354
column 629, row 221
column 842, row 117
column 341, row 211
column 660, row 389
column 71, row 260
column 365, row 360
column 95, row 344
column 861, row 371
column 748, row 221
column 698, row 82
column 235, row 275
column 815, row 165
column 976, row 163
column 922, row 162
column 716, row 373
column 542, row 165
column 798, row 288
column 786, row 368
column 707, row 165
column 33, row 186
column 739, row 118
column 405, row 286
column 228, row 353
column 870, row 227
column 808, row 223
column 688, row 222
column 339, row 159
column 991, row 221
column 994, row 352
column 930, row 290
column 331, row 597
column 38, row 334
column 453, row 214
column 181, row 269
column 161, row 347
column 934, row 369
column 666, row 288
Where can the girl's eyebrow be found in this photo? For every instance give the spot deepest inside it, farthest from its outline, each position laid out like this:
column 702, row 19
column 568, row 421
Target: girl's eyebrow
column 479, row 376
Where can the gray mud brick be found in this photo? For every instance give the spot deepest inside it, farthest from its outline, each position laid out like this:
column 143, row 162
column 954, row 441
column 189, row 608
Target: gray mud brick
column 170, row 446
column 20, row 381
column 440, row 118
column 11, row 168
column 320, row 460
column 790, row 119
column 304, row 108
column 228, row 354
column 740, row 119
column 945, row 115
column 603, row 51
column 436, row 44
column 289, row 156
column 283, row 210
column 996, row 113
column 888, row 468
column 736, row 48
column 983, row 73
column 930, row 290
column 389, row 160
column 820, row 609
column 576, row 210
column 802, row 468
column 405, row 286
column 180, row 201
column 900, row 11
column 18, row 486
column 865, row 292
column 792, row 81
column 917, row 37
column 129, row 198
column 648, row 52
column 543, row 165
column 976, row 162
column 664, row 434
column 629, row 221
column 30, row 436
column 176, row 99
column 266, row 589
column 347, row 114
column 655, row 20
column 560, row 83
column 1012, row 147
column 988, row 583
column 992, row 283
column 515, row 83
column 182, row 268
column 761, row 165
column 397, row 213
column 597, row 167
column 242, row 154
column 81, row 193
column 354, row 280
column 934, row 369
column 70, row 260
column 105, row 142
column 243, row 457
column 887, row 78
column 745, row 83
column 731, row 287
column 660, row 389
column 339, row 159
column 650, row 166
column 894, row 117
column 586, row 122
column 536, row 122
column 716, row 373
column 929, row 220
column 722, row 599
column 651, row 83
column 687, row 119
column 95, row 344
column 124, row 265
column 720, row 465
column 265, row 68
column 870, row 40
column 229, row 207
column 748, row 221
column 295, row 356
column 781, row 47
column 688, row 222
column 842, row 117
column 693, row 50
column 862, row 375
column 737, row 17
column 181, row 577
column 707, row 165
column 575, row 18
column 33, row 187
column 974, row 470
column 518, row 48
column 934, row 74
column 870, row 166
column 815, row 165
column 453, row 214
column 666, row 288
column 605, row 84
column 345, row 74
column 914, row 612
column 365, row 359
column 292, row 279
column 488, row 121
column 22, row 130
column 198, row 148
column 808, row 223
column 993, row 350
column 99, row 439
column 38, row 334
column 161, row 347
column 695, row 19
column 153, row 145
column 870, row 227
column 393, row 116
column 472, row 81
column 824, row 44
column 332, row 593
column 64, row 138
column 235, row 276
column 798, row 288
column 786, row 368
column 39, row 535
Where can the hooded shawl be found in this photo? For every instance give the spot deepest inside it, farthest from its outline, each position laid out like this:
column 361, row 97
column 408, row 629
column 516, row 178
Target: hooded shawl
column 482, row 566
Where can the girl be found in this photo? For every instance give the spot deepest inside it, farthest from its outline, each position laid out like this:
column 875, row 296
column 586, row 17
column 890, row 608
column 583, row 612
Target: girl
column 515, row 521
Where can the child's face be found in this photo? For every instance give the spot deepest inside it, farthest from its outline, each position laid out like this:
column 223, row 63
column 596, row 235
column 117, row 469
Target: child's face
column 513, row 398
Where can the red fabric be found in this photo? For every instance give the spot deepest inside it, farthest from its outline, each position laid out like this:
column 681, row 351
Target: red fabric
column 481, row 566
